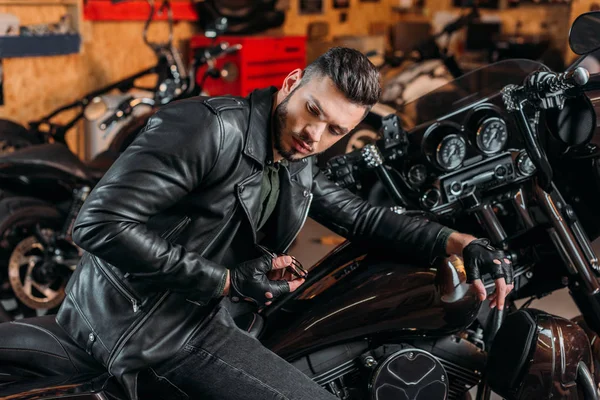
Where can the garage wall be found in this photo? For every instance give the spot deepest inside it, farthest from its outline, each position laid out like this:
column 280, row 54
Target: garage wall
column 113, row 50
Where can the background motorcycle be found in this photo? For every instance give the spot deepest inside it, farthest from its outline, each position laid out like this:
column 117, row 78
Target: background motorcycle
column 366, row 326
column 44, row 186
column 171, row 81
column 407, row 77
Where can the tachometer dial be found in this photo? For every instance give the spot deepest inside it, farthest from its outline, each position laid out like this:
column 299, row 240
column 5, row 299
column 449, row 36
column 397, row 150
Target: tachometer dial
column 492, row 135
column 417, row 174
column 451, row 152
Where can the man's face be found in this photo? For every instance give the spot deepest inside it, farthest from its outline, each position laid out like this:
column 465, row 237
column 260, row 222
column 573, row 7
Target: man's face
column 311, row 118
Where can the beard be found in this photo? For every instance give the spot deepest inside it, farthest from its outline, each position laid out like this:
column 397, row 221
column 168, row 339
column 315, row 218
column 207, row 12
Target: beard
column 279, row 130
column 279, row 124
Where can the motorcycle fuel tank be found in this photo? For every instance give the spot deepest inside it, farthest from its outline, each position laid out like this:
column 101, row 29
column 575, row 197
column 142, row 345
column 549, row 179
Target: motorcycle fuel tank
column 356, row 293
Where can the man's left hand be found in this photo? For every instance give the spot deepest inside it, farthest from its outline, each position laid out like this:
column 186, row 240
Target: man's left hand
column 481, row 257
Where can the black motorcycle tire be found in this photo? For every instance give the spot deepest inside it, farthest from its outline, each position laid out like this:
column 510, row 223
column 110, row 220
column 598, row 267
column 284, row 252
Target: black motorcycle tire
column 18, row 216
column 14, row 136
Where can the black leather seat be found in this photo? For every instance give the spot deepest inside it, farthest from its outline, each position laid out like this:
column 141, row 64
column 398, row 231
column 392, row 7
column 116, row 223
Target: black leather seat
column 36, row 347
column 52, row 156
column 39, row 347
column 98, row 166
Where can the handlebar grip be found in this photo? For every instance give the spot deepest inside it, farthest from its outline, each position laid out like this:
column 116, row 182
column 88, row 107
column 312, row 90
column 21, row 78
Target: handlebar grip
column 220, row 50
column 543, row 83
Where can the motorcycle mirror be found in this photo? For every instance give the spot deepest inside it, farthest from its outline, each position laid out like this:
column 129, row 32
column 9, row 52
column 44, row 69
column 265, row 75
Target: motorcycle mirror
column 584, row 37
column 216, row 28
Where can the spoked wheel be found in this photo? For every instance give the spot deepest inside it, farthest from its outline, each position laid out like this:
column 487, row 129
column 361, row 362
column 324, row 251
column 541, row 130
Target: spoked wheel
column 33, row 276
column 36, row 264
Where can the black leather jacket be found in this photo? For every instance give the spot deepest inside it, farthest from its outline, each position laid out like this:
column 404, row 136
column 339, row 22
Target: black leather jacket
column 179, row 207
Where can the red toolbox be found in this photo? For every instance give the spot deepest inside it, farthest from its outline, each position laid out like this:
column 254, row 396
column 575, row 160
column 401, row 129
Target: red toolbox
column 263, row 61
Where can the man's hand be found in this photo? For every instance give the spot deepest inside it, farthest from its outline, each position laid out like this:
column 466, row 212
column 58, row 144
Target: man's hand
column 480, row 257
column 271, row 279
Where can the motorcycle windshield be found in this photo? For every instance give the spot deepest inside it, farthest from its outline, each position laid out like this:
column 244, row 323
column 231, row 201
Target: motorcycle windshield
column 473, row 87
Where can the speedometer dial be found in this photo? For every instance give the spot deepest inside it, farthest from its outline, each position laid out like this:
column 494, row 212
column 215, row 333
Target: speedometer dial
column 451, row 152
column 492, row 135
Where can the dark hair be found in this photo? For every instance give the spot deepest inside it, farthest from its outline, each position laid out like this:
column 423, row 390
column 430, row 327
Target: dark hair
column 351, row 72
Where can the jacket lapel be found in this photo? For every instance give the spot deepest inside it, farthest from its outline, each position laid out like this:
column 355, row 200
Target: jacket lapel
column 286, row 220
column 293, row 196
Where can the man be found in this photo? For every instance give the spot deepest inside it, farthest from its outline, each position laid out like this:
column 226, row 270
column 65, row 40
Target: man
column 170, row 233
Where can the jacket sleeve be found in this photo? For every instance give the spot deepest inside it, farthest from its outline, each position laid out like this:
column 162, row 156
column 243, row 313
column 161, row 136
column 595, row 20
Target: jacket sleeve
column 354, row 218
column 171, row 157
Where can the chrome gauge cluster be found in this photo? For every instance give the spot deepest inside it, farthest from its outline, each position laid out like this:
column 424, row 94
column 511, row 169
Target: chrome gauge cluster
column 471, row 150
column 492, row 135
column 451, row 152
column 445, row 146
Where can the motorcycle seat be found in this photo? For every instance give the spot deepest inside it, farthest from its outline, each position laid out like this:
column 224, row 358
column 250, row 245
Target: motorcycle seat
column 98, row 165
column 47, row 157
column 40, row 347
column 36, row 347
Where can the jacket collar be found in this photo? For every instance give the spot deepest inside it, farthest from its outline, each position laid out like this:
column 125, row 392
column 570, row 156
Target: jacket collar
column 259, row 128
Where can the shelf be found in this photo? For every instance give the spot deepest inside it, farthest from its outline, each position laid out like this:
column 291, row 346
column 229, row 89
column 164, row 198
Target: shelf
column 135, row 10
column 39, row 2
column 36, row 46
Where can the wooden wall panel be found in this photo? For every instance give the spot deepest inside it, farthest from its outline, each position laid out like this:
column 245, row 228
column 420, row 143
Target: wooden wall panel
column 113, row 50
column 360, row 16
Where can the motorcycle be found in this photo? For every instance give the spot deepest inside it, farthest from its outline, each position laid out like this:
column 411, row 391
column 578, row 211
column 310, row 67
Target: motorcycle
column 368, row 326
column 171, row 81
column 45, row 185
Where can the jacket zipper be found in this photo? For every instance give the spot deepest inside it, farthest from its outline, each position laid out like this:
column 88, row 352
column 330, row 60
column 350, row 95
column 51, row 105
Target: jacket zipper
column 135, row 302
column 135, row 326
column 113, row 354
column 304, row 216
column 120, row 287
column 174, row 232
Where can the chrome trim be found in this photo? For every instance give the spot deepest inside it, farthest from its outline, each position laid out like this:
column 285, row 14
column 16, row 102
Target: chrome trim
column 562, row 251
column 567, row 239
column 518, row 199
column 487, row 217
column 581, row 237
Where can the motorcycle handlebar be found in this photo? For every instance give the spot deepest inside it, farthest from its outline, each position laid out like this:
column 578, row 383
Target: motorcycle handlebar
column 220, row 50
column 543, row 83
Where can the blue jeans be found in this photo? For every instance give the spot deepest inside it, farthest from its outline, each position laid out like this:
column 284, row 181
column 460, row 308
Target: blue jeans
column 223, row 362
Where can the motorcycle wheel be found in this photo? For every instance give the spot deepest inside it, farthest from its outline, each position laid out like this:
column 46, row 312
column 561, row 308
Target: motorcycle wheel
column 14, row 136
column 32, row 279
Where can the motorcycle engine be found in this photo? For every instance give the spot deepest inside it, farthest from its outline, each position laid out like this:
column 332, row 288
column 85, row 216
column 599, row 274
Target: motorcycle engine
column 443, row 368
column 410, row 374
